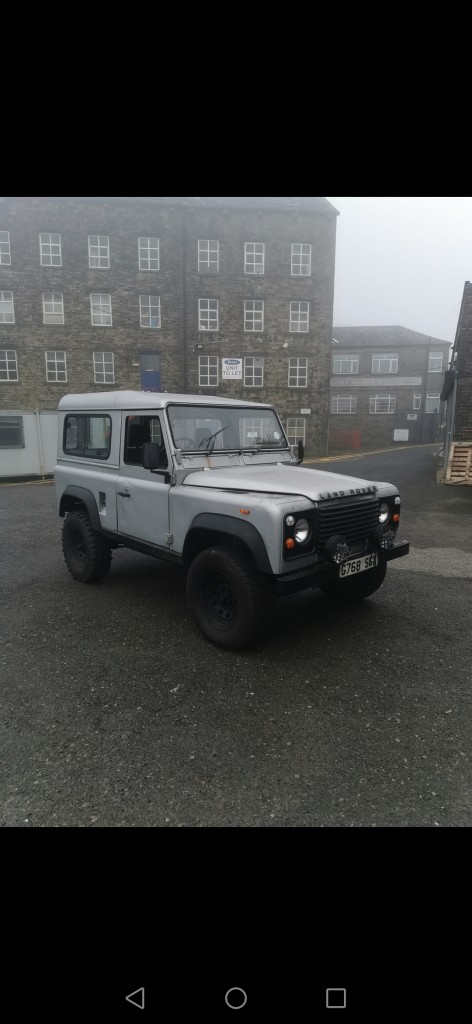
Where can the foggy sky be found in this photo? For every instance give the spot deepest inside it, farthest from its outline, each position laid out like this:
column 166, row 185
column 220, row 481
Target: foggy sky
column 402, row 260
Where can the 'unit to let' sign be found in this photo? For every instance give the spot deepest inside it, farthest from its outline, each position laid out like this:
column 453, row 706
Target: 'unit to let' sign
column 232, row 368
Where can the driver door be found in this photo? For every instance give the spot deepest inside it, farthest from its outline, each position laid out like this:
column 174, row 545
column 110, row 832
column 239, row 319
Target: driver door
column 142, row 496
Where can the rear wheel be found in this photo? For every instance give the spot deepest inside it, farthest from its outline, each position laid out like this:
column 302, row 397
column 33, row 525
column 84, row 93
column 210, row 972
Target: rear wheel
column 225, row 596
column 356, row 588
column 86, row 553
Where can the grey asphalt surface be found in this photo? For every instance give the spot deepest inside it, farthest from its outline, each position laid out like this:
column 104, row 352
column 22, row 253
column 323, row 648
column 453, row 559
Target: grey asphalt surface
column 116, row 712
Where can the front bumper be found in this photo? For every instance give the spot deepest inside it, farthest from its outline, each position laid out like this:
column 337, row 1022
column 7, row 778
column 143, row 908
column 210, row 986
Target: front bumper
column 326, row 572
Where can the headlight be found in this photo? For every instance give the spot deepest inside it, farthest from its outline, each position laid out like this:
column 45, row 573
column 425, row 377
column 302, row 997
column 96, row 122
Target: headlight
column 384, row 513
column 302, row 531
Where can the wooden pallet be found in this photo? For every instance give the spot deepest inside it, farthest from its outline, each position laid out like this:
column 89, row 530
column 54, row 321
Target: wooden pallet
column 459, row 466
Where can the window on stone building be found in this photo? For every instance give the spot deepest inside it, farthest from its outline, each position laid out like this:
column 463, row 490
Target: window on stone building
column 100, row 308
column 254, row 257
column 56, row 370
column 208, row 314
column 53, row 308
column 299, row 317
column 385, row 364
column 344, row 404
column 432, row 402
column 435, row 362
column 297, row 372
column 150, row 310
column 208, row 371
column 5, row 253
column 103, row 367
column 11, row 432
column 253, row 315
column 99, row 251
column 208, row 256
column 417, row 402
column 295, row 430
column 382, row 403
column 7, row 309
column 346, row 364
column 8, row 364
column 253, row 371
column 301, row 260
column 148, row 251
column 50, row 250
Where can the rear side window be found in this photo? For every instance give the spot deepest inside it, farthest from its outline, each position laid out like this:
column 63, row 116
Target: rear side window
column 89, row 436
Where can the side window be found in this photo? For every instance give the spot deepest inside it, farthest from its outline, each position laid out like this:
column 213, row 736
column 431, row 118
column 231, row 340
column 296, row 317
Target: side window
column 89, row 436
column 140, row 430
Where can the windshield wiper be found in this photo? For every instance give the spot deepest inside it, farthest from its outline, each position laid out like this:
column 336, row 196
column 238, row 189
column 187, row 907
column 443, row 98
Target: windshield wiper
column 212, row 437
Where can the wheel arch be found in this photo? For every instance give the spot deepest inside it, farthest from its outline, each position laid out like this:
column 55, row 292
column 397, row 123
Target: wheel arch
column 210, row 528
column 75, row 498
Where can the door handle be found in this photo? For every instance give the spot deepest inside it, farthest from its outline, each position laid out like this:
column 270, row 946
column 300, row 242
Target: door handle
column 124, row 494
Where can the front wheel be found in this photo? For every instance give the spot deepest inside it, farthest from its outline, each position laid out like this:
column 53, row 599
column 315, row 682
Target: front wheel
column 224, row 596
column 86, row 553
column 356, row 588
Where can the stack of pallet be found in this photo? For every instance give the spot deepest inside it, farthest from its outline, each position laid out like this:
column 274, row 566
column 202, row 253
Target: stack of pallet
column 459, row 466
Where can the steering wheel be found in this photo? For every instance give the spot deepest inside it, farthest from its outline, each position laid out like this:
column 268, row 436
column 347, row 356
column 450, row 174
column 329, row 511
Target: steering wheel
column 189, row 444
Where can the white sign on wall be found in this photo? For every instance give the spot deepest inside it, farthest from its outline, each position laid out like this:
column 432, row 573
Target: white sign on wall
column 401, row 435
column 305, row 412
column 412, row 416
column 232, row 369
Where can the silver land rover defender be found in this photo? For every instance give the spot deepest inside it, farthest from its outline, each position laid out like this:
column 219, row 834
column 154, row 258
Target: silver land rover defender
column 212, row 484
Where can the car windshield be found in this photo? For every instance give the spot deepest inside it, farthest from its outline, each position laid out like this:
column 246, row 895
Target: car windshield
column 201, row 428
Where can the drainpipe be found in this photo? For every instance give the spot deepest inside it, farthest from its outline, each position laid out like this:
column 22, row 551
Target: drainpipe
column 451, row 418
column 184, row 299
column 40, row 442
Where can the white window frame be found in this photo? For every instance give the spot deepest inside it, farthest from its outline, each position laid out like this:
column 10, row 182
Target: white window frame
column 148, row 253
column 208, row 256
column 47, row 257
column 253, row 371
column 390, row 358
column 102, row 361
column 435, row 356
column 208, row 315
column 8, row 365
column 300, row 260
column 351, row 361
column 5, row 250
column 435, row 397
column 150, row 311
column 55, row 313
column 102, row 309
column 208, row 371
column 417, row 402
column 99, row 252
column 376, row 400
column 299, row 317
column 296, row 429
column 298, row 372
column 339, row 402
column 7, row 316
column 254, row 257
column 54, row 367
column 254, row 317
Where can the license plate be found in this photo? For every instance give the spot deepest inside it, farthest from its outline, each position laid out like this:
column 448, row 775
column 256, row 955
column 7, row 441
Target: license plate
column 356, row 565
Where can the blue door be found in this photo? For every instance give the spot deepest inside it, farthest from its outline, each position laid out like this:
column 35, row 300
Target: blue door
column 150, row 371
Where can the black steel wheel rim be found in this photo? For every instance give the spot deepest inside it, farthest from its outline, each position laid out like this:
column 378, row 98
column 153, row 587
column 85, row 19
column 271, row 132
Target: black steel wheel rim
column 220, row 599
column 78, row 547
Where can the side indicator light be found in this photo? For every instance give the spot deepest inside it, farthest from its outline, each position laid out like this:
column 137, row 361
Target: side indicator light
column 244, row 511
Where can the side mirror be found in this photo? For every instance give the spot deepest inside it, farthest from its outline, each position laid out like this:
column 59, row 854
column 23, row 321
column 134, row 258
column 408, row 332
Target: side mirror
column 150, row 455
column 301, row 452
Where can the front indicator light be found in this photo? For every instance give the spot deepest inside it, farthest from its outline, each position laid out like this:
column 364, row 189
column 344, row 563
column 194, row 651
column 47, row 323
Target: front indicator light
column 290, row 543
column 396, row 518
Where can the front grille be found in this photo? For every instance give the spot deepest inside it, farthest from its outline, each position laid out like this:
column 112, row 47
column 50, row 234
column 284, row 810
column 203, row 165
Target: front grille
column 352, row 517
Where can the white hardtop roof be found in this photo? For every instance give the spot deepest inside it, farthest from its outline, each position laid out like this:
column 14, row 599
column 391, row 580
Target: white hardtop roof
column 146, row 400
